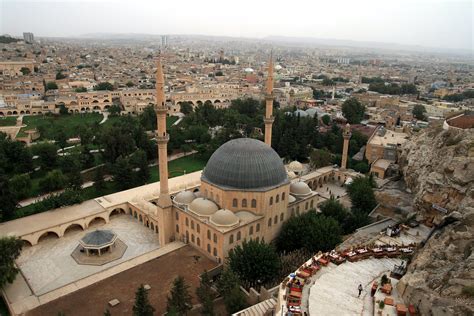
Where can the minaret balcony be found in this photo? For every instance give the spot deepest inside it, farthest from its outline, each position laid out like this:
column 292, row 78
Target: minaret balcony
column 161, row 110
column 163, row 139
column 269, row 120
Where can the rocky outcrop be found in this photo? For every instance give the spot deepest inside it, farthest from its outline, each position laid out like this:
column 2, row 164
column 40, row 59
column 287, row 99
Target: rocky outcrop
column 438, row 167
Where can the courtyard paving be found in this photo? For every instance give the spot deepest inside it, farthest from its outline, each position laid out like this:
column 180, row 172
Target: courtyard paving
column 49, row 265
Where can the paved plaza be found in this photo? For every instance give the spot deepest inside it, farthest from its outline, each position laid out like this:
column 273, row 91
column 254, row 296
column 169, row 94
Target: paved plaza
column 49, row 265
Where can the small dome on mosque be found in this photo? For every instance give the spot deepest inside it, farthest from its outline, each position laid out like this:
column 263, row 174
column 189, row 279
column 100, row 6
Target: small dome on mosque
column 278, row 67
column 249, row 70
column 245, row 216
column 203, row 207
column 224, row 217
column 184, row 197
column 291, row 199
column 300, row 189
column 291, row 175
column 295, row 166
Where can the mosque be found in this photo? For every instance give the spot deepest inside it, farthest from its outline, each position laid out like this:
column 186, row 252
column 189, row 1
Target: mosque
column 245, row 191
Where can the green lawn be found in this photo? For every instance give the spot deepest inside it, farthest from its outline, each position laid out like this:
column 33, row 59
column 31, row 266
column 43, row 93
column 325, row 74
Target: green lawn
column 178, row 167
column 8, row 121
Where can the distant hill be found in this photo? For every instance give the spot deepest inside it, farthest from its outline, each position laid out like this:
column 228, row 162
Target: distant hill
column 5, row 39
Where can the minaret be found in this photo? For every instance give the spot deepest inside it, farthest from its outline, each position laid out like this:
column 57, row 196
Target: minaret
column 161, row 136
column 268, row 120
column 346, row 134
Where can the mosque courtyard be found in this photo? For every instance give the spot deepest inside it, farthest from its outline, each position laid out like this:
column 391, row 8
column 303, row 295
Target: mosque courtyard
column 49, row 264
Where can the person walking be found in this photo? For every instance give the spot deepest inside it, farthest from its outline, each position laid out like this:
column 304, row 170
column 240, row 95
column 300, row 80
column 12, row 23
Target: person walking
column 360, row 289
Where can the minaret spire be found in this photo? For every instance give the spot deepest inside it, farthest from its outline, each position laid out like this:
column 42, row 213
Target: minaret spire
column 161, row 135
column 268, row 120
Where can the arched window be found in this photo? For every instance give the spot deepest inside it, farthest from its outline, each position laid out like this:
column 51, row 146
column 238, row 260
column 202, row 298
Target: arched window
column 312, row 203
column 192, row 238
column 298, row 210
column 270, row 222
column 250, row 230
column 238, row 236
column 271, row 200
column 177, row 228
column 208, row 234
column 234, row 203
column 292, row 212
column 187, row 222
column 283, row 196
column 258, row 227
column 198, row 228
column 282, row 216
column 192, row 224
column 277, row 198
column 215, row 238
column 198, row 241
column 187, row 236
column 244, row 203
column 215, row 252
column 231, row 239
column 254, row 203
column 177, row 216
column 209, row 248
column 275, row 220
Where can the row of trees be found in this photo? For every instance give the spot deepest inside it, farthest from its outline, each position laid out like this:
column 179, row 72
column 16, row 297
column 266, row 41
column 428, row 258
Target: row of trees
column 393, row 88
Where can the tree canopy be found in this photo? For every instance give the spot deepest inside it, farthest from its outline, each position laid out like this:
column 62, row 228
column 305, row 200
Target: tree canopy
column 104, row 86
column 179, row 299
column 10, row 248
column 206, row 295
column 353, row 110
column 361, row 193
column 228, row 286
column 419, row 111
column 142, row 306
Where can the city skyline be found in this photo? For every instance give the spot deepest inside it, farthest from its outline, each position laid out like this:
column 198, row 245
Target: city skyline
column 438, row 24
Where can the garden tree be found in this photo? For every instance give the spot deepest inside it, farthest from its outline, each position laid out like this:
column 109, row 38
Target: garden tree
column 86, row 135
column 122, row 174
column 53, row 181
column 320, row 158
column 20, row 185
column 86, row 158
column 333, row 208
column 326, row 119
column 10, row 248
column 361, row 167
column 228, row 287
column 206, row 295
column 311, row 231
column 51, row 85
column 25, row 71
column 47, row 155
column 327, row 82
column 361, row 194
column 179, row 298
column 81, row 89
column 353, row 110
column 60, row 138
column 255, row 262
column 104, row 86
column 148, row 118
column 99, row 182
column 355, row 219
column 63, row 109
column 185, row 108
column 74, row 179
column 8, row 198
column 142, row 306
column 356, row 142
column 52, row 201
column 318, row 94
column 139, row 162
column 116, row 140
column 60, row 75
column 129, row 84
column 419, row 111
column 15, row 157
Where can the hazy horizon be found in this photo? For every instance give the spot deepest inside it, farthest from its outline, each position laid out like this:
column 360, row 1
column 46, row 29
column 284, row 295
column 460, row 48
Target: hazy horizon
column 433, row 24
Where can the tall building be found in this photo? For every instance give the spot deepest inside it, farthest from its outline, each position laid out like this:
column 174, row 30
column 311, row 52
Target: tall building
column 28, row 37
column 164, row 41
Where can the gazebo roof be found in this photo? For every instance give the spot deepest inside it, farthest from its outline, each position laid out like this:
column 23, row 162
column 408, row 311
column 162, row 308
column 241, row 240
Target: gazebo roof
column 98, row 238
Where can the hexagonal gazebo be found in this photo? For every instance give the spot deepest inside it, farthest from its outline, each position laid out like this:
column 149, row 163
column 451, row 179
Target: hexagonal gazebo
column 98, row 242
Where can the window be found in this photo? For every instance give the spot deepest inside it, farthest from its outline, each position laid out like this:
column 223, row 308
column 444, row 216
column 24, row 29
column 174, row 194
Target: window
column 282, row 216
column 269, row 222
column 177, row 216
column 192, row 224
column 208, row 234
column 283, row 196
column 209, row 248
column 187, row 222
column 177, row 228
column 271, row 200
column 215, row 238
column 306, row 206
column 250, row 230
column 231, row 239
column 187, row 236
column 312, row 203
column 234, row 203
column 298, row 210
column 198, row 241
column 198, row 228
column 275, row 220
column 215, row 252
column 192, row 238
column 254, row 203
column 244, row 203
column 238, row 236
column 277, row 198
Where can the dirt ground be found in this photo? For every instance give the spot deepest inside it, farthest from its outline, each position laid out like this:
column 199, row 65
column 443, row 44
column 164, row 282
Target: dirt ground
column 158, row 273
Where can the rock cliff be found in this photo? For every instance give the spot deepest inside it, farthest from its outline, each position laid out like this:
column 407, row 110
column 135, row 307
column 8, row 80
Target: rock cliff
column 438, row 167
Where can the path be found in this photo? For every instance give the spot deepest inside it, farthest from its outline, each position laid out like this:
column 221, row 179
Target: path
column 106, row 117
column 87, row 184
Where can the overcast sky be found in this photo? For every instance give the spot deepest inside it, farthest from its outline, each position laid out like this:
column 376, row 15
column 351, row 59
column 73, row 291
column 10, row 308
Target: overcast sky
column 431, row 23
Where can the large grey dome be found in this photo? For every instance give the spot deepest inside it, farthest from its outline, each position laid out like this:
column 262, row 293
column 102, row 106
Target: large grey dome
column 245, row 164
